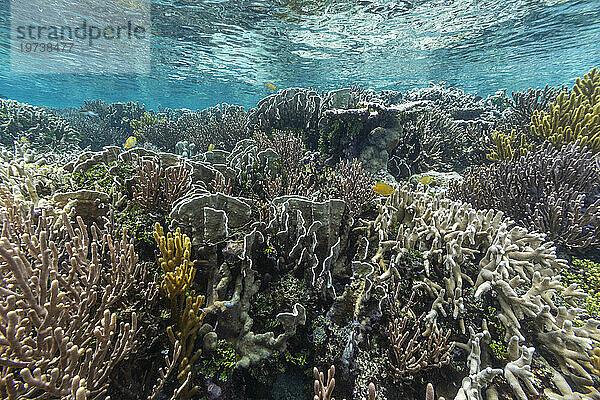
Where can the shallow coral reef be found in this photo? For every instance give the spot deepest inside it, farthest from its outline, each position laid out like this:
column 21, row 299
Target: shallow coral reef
column 232, row 254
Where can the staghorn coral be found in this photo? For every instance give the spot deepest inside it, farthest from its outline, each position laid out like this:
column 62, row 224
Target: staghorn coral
column 412, row 351
column 509, row 146
column 552, row 190
column 574, row 115
column 435, row 142
column 57, row 329
column 157, row 188
column 525, row 103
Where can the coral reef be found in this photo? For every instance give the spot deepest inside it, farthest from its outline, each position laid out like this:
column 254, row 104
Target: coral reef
column 513, row 137
column 58, row 327
column 574, row 115
column 221, row 126
column 102, row 124
column 280, row 250
column 412, row 355
column 21, row 122
column 552, row 190
column 434, row 141
column 474, row 253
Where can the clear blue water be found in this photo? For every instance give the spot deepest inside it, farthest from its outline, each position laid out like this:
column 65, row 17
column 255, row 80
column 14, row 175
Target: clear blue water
column 206, row 52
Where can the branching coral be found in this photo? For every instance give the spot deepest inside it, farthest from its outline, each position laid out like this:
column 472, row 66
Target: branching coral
column 186, row 312
column 324, row 389
column 221, row 126
column 145, row 122
column 513, row 137
column 553, row 190
column 468, row 252
column 435, row 142
column 157, row 188
column 574, row 115
column 45, row 131
column 413, row 351
column 353, row 185
column 103, row 124
column 509, row 146
column 56, row 326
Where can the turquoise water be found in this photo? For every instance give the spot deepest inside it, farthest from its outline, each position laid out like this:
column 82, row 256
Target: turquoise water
column 208, row 52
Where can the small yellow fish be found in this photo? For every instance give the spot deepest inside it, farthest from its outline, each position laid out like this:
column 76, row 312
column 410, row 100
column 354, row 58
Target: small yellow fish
column 425, row 180
column 130, row 142
column 270, row 86
column 211, row 147
column 383, row 189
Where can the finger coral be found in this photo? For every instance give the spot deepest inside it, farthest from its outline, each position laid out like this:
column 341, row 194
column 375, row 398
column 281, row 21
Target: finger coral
column 175, row 261
column 186, row 311
column 574, row 115
column 414, row 351
column 552, row 190
column 59, row 337
column 156, row 188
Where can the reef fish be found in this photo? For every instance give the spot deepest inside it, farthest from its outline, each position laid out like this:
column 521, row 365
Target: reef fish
column 383, row 189
column 87, row 113
column 425, row 180
column 130, row 142
column 270, row 86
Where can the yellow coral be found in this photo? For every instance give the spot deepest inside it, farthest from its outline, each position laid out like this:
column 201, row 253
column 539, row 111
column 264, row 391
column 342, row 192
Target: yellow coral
column 175, row 261
column 596, row 361
column 186, row 311
column 503, row 146
column 574, row 115
column 189, row 324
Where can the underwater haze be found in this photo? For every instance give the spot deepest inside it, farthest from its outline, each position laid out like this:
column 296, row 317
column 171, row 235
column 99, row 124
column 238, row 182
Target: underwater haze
column 209, row 52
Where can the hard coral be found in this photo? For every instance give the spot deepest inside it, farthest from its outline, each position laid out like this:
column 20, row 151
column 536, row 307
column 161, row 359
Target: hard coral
column 574, row 115
column 186, row 312
column 513, row 137
column 59, row 283
column 22, row 122
column 553, row 190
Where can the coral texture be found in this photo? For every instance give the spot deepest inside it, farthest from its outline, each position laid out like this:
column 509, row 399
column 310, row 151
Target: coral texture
column 552, row 190
column 57, row 324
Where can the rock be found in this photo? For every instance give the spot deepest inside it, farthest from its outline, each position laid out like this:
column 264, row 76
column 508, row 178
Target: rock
column 379, row 145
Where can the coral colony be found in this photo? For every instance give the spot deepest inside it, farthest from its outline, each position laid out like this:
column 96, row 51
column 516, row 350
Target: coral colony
column 410, row 245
